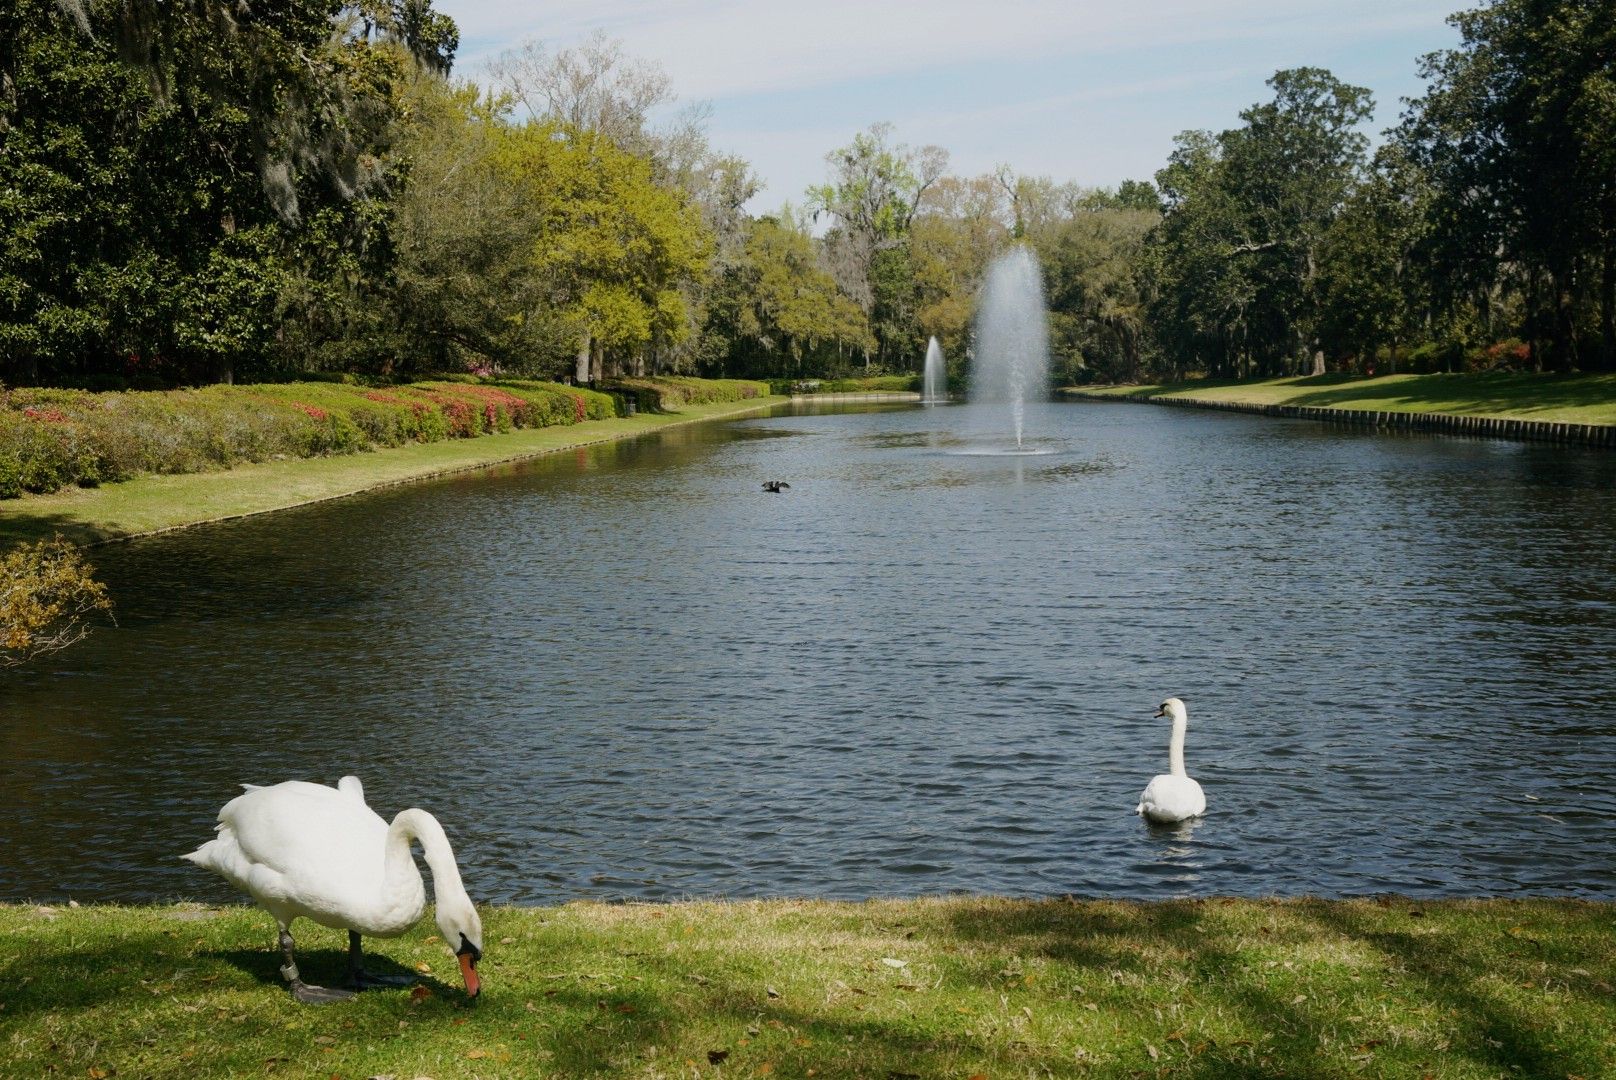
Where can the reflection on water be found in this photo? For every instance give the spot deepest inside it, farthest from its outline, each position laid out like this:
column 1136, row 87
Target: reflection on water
column 628, row 671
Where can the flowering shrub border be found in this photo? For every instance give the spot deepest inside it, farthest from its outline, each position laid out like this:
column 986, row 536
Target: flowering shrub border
column 52, row 439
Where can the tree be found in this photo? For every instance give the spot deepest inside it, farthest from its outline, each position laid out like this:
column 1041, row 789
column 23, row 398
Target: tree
column 465, row 292
column 1518, row 135
column 873, row 195
column 1245, row 216
column 233, row 156
column 1369, row 290
column 1203, row 290
column 1293, row 166
column 962, row 226
column 1097, row 296
column 597, row 87
column 613, row 246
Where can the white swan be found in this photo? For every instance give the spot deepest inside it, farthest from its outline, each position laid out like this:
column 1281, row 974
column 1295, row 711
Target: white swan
column 320, row 852
column 1173, row 796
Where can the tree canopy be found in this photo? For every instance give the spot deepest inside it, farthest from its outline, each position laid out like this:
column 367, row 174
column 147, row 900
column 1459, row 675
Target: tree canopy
column 207, row 191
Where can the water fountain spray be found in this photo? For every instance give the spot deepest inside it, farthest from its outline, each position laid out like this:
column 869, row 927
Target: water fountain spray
column 1011, row 364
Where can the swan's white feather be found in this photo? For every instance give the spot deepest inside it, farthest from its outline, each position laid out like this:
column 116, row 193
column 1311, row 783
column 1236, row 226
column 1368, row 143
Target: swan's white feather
column 1171, row 798
column 308, row 850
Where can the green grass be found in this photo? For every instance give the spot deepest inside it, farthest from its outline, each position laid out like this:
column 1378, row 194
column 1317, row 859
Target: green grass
column 154, row 503
column 956, row 987
column 1576, row 399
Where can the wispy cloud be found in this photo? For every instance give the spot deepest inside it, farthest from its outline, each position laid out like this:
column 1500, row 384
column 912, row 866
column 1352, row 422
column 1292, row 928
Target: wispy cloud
column 726, row 48
column 1091, row 90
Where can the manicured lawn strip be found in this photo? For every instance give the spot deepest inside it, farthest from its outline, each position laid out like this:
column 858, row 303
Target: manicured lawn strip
column 944, row 987
column 1575, row 399
column 153, row 503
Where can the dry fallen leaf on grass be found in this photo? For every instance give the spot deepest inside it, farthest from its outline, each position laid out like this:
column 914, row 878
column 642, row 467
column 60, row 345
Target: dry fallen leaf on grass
column 894, row 962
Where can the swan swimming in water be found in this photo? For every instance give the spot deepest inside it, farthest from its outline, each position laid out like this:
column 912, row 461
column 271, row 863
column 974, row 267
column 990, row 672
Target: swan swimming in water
column 1173, row 796
column 302, row 849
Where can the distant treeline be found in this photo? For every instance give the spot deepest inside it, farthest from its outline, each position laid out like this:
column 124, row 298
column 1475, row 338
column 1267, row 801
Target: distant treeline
column 223, row 190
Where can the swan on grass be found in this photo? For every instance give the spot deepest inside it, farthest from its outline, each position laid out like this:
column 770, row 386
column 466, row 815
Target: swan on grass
column 308, row 850
column 1173, row 796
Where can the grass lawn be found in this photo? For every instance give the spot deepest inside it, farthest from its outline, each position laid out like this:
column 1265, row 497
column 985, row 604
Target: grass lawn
column 1573, row 399
column 947, row 987
column 154, row 503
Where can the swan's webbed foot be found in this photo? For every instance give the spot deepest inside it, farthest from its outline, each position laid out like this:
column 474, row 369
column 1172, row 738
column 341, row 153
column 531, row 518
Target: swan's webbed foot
column 367, row 980
column 307, row 993
column 360, row 979
column 318, row 995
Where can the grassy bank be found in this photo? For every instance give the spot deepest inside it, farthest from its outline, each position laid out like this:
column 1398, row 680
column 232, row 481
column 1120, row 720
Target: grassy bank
column 154, row 503
column 1579, row 399
column 960, row 987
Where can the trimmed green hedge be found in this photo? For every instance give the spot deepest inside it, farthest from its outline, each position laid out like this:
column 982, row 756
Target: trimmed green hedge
column 51, row 439
column 665, row 392
column 870, row 384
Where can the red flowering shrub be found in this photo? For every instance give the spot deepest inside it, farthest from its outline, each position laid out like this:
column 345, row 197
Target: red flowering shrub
column 53, row 438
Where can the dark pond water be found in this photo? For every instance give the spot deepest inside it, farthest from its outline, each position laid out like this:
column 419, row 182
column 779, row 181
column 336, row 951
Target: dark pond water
column 628, row 672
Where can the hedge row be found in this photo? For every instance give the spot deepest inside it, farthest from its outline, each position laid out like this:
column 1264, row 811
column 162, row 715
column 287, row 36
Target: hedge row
column 51, row 439
column 665, row 392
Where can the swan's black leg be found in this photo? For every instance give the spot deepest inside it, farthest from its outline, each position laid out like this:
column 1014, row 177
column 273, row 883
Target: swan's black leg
column 360, row 979
column 302, row 991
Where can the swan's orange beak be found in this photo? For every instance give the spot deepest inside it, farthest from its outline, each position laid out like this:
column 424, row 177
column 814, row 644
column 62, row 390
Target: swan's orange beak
column 468, row 971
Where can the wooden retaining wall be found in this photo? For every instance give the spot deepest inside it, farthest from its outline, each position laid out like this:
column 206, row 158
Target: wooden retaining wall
column 1496, row 427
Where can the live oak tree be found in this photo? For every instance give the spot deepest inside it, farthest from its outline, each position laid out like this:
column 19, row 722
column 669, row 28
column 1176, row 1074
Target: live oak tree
column 872, row 196
column 1246, row 216
column 1518, row 134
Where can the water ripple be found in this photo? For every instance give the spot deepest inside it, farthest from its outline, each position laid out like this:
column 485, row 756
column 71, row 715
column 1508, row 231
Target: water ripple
column 628, row 672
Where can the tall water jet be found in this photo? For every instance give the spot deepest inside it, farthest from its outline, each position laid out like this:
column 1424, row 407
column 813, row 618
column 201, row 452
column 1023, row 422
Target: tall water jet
column 934, row 382
column 1011, row 363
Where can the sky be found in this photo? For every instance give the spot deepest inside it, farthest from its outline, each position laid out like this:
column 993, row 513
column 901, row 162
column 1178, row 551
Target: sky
column 1086, row 90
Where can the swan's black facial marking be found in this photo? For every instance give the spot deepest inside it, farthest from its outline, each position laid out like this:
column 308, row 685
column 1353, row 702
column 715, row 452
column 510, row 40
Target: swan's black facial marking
column 467, row 948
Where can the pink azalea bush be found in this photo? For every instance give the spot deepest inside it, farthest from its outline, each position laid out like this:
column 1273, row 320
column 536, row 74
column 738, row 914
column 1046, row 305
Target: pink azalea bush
column 51, row 439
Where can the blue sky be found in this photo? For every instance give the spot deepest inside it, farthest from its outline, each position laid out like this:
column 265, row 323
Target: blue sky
column 1071, row 89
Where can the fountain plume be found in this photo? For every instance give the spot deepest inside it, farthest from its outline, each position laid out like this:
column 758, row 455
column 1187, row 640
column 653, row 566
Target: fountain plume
column 1011, row 362
column 934, row 381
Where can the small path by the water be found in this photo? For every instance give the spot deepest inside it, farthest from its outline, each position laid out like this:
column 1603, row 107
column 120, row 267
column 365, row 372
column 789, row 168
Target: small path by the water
column 153, row 504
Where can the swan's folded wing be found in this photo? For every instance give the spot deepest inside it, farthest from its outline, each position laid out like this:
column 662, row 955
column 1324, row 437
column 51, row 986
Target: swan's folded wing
column 307, row 830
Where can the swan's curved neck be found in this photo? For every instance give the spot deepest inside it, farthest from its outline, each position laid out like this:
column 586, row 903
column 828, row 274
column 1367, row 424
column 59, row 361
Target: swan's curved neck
column 419, row 825
column 1175, row 750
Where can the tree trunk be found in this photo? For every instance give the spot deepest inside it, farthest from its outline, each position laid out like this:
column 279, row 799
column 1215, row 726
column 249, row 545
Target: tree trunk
column 1607, row 305
column 580, row 370
column 1563, row 355
column 597, row 363
column 1318, row 361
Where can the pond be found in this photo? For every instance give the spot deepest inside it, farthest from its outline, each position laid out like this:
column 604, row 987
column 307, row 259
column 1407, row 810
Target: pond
column 629, row 672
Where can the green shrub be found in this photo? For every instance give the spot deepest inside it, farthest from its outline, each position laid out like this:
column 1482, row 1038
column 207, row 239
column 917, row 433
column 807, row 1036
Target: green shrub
column 50, row 439
column 47, row 592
